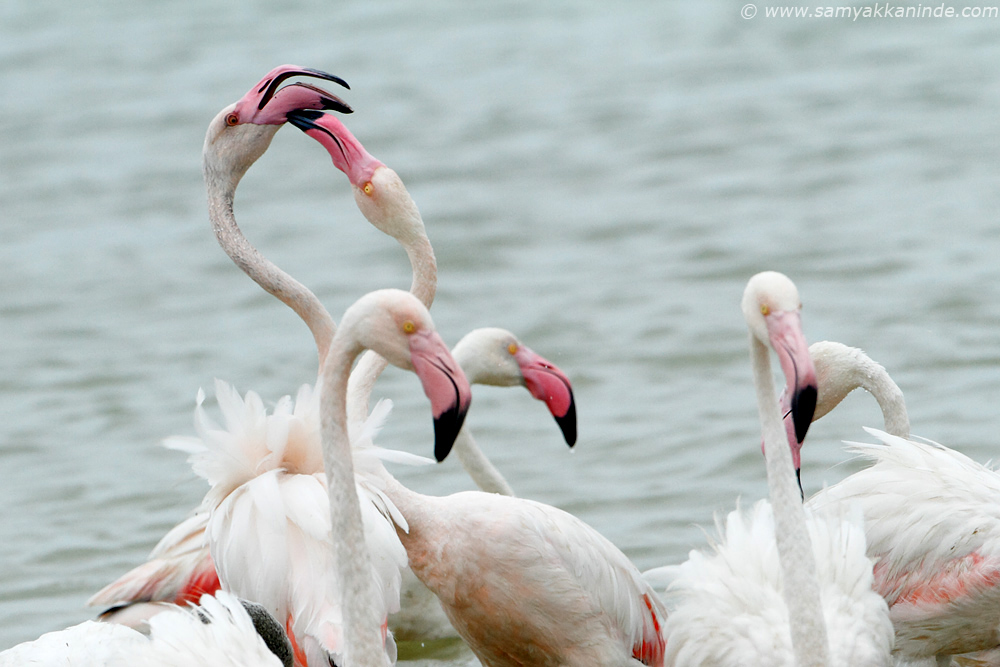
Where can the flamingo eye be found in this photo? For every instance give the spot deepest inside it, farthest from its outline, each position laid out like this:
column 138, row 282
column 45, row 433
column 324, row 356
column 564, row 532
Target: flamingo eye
column 369, row 188
column 409, row 327
column 765, row 310
column 232, row 119
column 512, row 348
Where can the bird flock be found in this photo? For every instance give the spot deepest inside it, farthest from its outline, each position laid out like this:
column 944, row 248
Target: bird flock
column 307, row 551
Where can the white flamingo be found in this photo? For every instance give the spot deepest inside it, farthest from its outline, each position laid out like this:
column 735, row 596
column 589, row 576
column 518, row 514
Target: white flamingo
column 398, row 327
column 494, row 357
column 783, row 587
column 931, row 522
column 221, row 632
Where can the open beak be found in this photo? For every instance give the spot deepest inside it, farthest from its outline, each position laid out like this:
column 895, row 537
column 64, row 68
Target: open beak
column 445, row 385
column 547, row 383
column 265, row 104
column 268, row 86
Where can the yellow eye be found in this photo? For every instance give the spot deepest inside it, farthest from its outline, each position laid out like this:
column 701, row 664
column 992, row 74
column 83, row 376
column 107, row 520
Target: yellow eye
column 409, row 327
column 764, row 310
column 369, row 188
column 512, row 348
column 232, row 119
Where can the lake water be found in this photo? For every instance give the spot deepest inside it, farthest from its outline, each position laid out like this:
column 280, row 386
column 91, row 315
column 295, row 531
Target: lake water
column 600, row 181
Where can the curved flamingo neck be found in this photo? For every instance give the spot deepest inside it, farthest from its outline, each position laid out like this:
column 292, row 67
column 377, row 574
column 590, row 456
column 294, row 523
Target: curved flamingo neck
column 479, row 467
column 362, row 622
column 841, row 369
column 424, row 287
column 798, row 564
column 221, row 193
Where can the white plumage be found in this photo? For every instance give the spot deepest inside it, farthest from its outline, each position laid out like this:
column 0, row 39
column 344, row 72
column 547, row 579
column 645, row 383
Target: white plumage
column 740, row 581
column 932, row 518
column 178, row 637
column 269, row 525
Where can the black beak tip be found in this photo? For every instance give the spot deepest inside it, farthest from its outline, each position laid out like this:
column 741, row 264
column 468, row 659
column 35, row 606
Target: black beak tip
column 567, row 424
column 320, row 74
column 336, row 104
column 803, row 408
column 798, row 478
column 446, row 428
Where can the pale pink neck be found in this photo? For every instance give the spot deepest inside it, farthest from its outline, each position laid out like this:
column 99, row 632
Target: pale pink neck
column 362, row 619
column 261, row 270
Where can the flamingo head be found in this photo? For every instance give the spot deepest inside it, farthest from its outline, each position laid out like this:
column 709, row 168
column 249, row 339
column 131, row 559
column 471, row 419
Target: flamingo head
column 242, row 132
column 396, row 325
column 496, row 357
column 772, row 309
column 378, row 190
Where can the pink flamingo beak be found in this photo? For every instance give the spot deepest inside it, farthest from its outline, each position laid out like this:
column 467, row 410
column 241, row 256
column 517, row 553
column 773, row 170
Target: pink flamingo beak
column 547, row 383
column 347, row 153
column 784, row 329
column 264, row 104
column 445, row 385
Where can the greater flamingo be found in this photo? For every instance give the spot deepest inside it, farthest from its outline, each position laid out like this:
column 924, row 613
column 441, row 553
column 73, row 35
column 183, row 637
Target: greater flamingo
column 496, row 357
column 782, row 587
column 398, row 327
column 931, row 521
column 223, row 631
column 238, row 135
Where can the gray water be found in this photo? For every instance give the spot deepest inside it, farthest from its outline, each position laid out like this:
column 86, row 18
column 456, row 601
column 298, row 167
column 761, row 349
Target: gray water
column 600, row 181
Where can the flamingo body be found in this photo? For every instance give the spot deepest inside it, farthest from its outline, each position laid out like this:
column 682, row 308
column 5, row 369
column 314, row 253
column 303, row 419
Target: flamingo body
column 933, row 527
column 741, row 582
column 526, row 583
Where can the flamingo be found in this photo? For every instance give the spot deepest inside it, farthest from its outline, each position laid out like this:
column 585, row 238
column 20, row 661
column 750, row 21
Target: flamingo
column 397, row 326
column 496, row 357
column 783, row 587
column 238, row 135
column 930, row 521
column 223, row 631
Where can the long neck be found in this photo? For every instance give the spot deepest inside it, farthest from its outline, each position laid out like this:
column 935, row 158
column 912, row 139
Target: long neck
column 841, row 369
column 264, row 272
column 423, row 286
column 362, row 624
column 798, row 565
column 480, row 469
